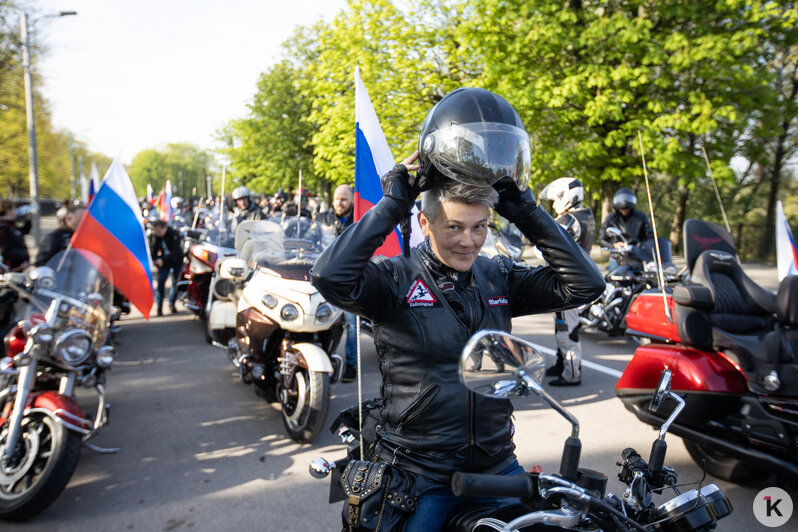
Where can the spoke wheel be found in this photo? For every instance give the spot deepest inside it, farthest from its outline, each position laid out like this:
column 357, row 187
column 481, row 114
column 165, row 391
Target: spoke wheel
column 305, row 404
column 45, row 458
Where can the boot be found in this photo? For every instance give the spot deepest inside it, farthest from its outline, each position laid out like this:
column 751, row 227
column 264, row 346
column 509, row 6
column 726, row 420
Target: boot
column 160, row 310
column 556, row 369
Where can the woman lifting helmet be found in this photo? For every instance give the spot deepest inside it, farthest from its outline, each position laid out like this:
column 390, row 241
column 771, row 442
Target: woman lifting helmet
column 475, row 137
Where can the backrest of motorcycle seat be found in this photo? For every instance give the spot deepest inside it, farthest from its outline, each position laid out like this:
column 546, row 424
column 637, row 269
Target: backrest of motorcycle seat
column 740, row 305
column 787, row 301
column 701, row 236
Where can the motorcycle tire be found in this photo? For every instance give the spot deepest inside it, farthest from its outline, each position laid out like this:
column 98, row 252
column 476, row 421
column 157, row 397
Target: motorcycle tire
column 725, row 467
column 39, row 479
column 304, row 421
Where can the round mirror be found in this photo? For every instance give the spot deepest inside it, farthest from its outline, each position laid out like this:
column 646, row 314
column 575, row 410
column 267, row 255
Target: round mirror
column 493, row 364
column 44, row 276
column 614, row 231
column 662, row 391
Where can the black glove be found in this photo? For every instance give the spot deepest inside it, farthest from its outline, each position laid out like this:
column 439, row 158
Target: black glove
column 513, row 204
column 395, row 185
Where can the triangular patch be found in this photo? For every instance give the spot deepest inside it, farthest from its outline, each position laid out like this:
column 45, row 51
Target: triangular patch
column 420, row 295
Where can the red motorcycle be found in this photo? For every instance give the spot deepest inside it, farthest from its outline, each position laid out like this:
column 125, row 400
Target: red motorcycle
column 733, row 350
column 198, row 274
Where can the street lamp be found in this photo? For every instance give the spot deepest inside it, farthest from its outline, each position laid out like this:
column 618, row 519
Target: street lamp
column 33, row 167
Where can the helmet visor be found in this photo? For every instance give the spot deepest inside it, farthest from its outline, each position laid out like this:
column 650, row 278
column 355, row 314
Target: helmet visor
column 624, row 200
column 481, row 153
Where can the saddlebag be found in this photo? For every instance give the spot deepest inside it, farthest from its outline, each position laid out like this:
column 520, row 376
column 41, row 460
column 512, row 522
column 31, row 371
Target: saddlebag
column 377, row 497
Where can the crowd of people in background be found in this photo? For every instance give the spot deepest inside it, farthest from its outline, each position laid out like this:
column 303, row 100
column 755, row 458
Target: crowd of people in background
column 243, row 204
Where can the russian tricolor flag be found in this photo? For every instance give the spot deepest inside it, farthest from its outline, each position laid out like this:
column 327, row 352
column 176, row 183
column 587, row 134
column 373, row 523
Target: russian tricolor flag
column 112, row 229
column 786, row 250
column 373, row 158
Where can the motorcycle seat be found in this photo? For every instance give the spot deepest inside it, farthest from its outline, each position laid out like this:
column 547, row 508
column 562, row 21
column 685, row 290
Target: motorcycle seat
column 740, row 306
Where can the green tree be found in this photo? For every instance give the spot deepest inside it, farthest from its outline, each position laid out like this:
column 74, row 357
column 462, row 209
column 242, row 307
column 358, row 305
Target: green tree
column 269, row 147
column 586, row 76
column 178, row 163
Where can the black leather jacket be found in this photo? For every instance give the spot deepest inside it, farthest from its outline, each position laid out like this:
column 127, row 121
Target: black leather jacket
column 636, row 228
column 423, row 313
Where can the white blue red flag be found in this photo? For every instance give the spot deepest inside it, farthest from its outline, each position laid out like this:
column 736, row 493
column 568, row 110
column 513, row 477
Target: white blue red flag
column 94, row 181
column 373, row 158
column 786, row 250
column 112, row 229
column 164, row 202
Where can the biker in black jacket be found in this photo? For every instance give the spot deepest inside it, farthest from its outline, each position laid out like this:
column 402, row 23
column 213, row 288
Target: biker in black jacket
column 425, row 307
column 635, row 225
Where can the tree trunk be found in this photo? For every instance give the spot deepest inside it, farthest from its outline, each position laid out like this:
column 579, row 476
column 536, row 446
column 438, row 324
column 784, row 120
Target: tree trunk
column 679, row 217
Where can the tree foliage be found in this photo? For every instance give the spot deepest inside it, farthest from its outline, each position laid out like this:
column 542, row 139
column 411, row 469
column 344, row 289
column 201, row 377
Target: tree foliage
column 585, row 76
column 186, row 166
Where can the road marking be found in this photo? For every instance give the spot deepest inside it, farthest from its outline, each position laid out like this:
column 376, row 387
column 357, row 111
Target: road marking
column 585, row 363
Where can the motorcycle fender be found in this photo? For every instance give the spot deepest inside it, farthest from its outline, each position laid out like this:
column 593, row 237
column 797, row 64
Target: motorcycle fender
column 693, row 371
column 223, row 315
column 63, row 407
column 315, row 357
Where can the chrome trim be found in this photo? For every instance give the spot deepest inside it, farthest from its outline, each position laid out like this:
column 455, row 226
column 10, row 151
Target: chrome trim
column 59, row 415
column 27, row 374
column 67, row 384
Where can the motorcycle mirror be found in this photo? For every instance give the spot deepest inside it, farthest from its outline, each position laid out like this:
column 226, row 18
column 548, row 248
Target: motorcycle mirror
column 498, row 365
column 662, row 391
column 319, row 467
column 614, row 231
column 44, row 276
column 233, row 268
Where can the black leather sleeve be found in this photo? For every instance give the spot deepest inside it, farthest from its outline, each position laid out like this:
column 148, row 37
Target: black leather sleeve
column 571, row 278
column 344, row 274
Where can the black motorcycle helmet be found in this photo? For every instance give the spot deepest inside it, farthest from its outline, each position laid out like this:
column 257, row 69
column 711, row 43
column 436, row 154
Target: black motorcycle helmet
column 474, row 136
column 624, row 199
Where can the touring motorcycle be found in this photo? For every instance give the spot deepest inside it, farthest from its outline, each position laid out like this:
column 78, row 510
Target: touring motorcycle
column 636, row 272
column 60, row 345
column 733, row 350
column 285, row 332
column 498, row 365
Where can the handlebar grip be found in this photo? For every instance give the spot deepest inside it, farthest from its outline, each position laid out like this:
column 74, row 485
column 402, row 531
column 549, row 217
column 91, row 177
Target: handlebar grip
column 521, row 486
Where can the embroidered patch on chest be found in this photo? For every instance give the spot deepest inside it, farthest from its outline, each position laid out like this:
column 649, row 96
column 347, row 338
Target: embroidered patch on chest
column 497, row 301
column 420, row 295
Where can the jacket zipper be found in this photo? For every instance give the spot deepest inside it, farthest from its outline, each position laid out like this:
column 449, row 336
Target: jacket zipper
column 472, row 437
column 417, row 407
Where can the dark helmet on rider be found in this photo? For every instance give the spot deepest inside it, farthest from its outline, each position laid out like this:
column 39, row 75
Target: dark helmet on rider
column 241, row 192
column 475, row 137
column 624, row 199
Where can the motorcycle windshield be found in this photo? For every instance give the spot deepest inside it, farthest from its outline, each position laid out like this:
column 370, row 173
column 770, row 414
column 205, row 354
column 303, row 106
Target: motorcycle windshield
column 76, row 287
column 293, row 253
column 649, row 246
column 220, row 237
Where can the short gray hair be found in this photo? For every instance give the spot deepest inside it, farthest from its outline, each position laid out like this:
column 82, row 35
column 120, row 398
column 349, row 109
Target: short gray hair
column 450, row 190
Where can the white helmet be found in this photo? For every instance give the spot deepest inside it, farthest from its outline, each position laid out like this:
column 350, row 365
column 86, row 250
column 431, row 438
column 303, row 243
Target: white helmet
column 566, row 192
column 241, row 192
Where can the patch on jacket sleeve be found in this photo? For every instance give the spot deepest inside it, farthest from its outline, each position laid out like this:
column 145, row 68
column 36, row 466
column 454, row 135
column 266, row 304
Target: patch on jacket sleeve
column 420, row 295
column 497, row 301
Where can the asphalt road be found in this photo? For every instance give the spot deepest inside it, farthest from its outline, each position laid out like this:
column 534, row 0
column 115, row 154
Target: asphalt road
column 200, row 451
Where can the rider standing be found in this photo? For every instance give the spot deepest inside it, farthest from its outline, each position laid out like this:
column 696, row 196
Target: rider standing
column 473, row 153
column 566, row 195
column 633, row 224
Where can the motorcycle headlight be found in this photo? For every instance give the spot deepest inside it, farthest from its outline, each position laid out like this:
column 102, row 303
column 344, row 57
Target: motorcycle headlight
column 324, row 313
column 289, row 312
column 73, row 347
column 105, row 356
column 269, row 300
